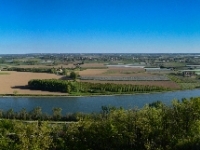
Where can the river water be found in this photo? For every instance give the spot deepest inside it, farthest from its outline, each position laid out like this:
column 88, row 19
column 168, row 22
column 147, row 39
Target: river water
column 92, row 104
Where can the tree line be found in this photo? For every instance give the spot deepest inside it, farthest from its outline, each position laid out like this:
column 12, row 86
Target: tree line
column 88, row 87
column 118, row 88
column 38, row 70
column 155, row 126
column 46, row 70
column 38, row 114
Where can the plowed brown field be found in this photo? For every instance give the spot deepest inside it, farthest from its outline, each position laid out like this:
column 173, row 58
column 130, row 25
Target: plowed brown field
column 15, row 81
column 114, row 72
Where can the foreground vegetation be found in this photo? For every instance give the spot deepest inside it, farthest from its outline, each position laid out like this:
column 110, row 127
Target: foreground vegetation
column 38, row 114
column 155, row 126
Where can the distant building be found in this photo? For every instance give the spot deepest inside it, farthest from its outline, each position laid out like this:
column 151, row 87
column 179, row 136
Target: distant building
column 152, row 69
column 59, row 71
column 127, row 66
column 189, row 73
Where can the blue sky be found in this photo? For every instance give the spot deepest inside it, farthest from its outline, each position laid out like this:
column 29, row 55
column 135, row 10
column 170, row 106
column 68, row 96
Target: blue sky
column 99, row 26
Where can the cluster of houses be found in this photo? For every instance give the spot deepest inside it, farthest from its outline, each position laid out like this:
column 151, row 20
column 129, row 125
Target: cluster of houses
column 193, row 70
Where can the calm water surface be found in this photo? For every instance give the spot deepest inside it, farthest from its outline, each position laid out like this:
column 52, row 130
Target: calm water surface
column 91, row 104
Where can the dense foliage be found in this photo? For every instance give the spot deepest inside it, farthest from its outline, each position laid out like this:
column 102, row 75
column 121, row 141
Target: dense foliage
column 38, row 114
column 49, row 85
column 38, row 70
column 73, row 75
column 86, row 87
column 155, row 126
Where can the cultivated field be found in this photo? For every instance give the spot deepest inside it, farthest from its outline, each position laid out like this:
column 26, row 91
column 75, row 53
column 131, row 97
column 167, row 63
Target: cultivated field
column 11, row 82
column 92, row 72
column 15, row 82
column 114, row 71
column 126, row 72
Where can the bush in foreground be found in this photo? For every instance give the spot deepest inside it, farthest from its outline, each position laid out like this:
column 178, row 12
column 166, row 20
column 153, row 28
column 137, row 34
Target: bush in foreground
column 155, row 126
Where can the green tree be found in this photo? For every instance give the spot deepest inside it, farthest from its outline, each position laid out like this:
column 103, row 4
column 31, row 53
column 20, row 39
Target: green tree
column 10, row 114
column 65, row 72
column 53, row 70
column 68, row 88
column 36, row 113
column 57, row 113
column 73, row 75
column 23, row 114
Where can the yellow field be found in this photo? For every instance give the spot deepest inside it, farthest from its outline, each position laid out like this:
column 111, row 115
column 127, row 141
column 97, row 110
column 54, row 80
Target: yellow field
column 16, row 81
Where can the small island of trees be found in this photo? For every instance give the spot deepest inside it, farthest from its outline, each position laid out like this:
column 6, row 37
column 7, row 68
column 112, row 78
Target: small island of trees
column 75, row 87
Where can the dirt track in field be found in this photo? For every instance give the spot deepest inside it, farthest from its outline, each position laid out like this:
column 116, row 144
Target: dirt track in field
column 16, row 81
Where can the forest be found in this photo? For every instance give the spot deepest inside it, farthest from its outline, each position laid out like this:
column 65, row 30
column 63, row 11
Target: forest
column 155, row 126
column 87, row 87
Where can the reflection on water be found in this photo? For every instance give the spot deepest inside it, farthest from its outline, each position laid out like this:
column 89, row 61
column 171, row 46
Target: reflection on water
column 91, row 104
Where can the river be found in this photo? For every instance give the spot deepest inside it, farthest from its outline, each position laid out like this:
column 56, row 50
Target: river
column 92, row 104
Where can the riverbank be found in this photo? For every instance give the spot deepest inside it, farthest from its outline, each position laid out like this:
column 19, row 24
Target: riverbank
column 89, row 104
column 88, row 94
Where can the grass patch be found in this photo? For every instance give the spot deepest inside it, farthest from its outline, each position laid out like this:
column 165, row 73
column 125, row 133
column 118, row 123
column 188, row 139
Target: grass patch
column 4, row 73
column 186, row 86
